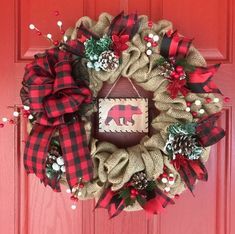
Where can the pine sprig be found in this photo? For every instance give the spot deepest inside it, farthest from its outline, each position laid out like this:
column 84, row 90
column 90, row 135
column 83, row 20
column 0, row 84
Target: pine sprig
column 151, row 185
column 161, row 61
column 185, row 129
column 187, row 67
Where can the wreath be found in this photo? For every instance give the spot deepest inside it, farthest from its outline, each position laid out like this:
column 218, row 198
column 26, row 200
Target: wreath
column 60, row 93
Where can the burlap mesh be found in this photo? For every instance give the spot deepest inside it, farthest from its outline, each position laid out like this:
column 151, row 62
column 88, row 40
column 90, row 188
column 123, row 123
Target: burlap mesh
column 116, row 166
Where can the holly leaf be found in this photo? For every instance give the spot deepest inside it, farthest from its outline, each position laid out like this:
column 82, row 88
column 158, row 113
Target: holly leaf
column 129, row 201
column 125, row 193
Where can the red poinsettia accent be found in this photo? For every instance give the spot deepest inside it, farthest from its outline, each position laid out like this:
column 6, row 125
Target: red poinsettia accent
column 176, row 86
column 119, row 43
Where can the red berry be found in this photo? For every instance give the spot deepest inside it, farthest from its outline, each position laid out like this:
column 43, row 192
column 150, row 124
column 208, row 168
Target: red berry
column 56, row 43
column 74, row 198
column 133, row 196
column 188, row 104
column 165, row 167
column 179, row 68
column 176, row 76
column 173, row 74
column 11, row 121
column 39, row 33
column 208, row 100
column 164, row 175
column 56, row 13
column 226, row 99
column 150, row 23
column 133, row 191
column 177, row 196
column 62, row 31
column 1, row 125
column 81, row 185
column 194, row 114
column 154, row 44
column 171, row 178
column 146, row 38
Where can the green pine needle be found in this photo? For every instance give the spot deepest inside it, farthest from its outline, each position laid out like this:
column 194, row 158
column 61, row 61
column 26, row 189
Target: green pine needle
column 160, row 61
column 187, row 67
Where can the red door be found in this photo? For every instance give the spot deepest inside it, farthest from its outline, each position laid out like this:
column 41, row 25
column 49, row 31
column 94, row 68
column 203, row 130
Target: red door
column 26, row 207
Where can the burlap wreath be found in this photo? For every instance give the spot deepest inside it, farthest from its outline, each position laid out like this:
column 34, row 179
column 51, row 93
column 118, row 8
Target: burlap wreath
column 115, row 166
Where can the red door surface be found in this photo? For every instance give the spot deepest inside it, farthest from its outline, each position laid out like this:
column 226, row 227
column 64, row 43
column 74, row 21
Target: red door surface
column 27, row 207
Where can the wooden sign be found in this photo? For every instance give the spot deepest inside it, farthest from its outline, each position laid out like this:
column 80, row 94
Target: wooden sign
column 123, row 115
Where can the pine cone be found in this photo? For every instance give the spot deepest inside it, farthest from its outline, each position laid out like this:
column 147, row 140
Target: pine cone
column 108, row 61
column 184, row 144
column 139, row 180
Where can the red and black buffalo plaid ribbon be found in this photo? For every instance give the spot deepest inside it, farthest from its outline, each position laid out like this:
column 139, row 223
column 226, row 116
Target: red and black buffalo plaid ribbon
column 55, row 98
column 200, row 80
column 173, row 45
column 124, row 25
column 190, row 170
column 156, row 201
column 112, row 201
column 207, row 133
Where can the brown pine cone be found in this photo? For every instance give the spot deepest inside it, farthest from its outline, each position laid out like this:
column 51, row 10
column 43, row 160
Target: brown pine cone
column 139, row 180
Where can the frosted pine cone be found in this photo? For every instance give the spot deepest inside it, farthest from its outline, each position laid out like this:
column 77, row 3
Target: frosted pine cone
column 139, row 180
column 108, row 61
column 184, row 144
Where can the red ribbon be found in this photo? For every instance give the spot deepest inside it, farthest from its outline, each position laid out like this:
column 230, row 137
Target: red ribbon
column 207, row 133
column 200, row 80
column 51, row 92
column 112, row 201
column 190, row 170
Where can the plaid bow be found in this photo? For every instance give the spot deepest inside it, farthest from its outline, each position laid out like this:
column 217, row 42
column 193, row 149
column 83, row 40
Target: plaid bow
column 51, row 92
column 200, row 80
column 174, row 45
column 207, row 133
column 124, row 25
column 156, row 201
column 112, row 201
column 190, row 170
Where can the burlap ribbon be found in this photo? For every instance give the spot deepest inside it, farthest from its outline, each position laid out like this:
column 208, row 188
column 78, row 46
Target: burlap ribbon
column 114, row 166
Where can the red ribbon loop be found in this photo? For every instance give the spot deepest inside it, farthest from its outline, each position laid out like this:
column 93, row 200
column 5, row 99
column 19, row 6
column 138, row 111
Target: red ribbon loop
column 50, row 91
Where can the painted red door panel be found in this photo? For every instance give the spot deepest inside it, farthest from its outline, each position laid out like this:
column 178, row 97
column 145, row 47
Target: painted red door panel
column 27, row 207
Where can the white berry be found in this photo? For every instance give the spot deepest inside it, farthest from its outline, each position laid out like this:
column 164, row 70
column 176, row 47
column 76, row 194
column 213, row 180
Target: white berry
column 216, row 99
column 31, row 26
column 26, row 108
column 188, row 109
column 65, row 38
column 167, row 189
column 164, row 180
column 30, row 117
column 59, row 23
column 150, row 35
column 79, row 193
column 156, row 38
column 201, row 111
column 73, row 207
column 149, row 52
column 60, row 161
column 171, row 182
column 16, row 113
column 55, row 167
column 198, row 102
column 149, row 44
column 49, row 36
column 4, row 119
column 68, row 190
column 63, row 169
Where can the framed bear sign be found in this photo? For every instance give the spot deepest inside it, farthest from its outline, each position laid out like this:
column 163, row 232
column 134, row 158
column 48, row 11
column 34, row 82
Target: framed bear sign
column 123, row 115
